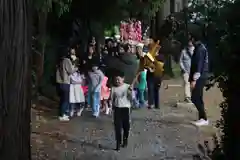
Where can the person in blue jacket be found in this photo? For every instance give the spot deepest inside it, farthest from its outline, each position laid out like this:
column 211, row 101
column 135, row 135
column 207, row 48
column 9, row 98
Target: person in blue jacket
column 198, row 77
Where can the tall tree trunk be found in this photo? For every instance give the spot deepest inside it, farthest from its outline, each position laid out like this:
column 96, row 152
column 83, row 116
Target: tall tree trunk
column 185, row 3
column 172, row 6
column 168, row 58
column 185, row 10
column 42, row 42
column 15, row 79
column 168, row 65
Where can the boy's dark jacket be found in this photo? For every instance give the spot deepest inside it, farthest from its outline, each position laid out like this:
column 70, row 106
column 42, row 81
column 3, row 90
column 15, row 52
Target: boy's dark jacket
column 199, row 61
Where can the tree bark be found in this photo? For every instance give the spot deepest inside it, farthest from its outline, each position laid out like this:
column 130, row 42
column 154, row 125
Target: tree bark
column 42, row 42
column 168, row 65
column 15, row 79
column 172, row 6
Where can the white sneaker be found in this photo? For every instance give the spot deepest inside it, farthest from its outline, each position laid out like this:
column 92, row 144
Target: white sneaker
column 188, row 100
column 201, row 122
column 107, row 111
column 64, row 118
column 96, row 115
column 72, row 113
column 79, row 113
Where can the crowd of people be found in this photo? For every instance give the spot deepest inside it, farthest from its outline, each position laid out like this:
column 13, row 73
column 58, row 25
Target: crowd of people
column 111, row 81
column 103, row 82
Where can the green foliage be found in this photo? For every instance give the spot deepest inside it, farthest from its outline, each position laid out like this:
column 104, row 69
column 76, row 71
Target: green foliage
column 112, row 11
column 219, row 21
column 59, row 6
column 142, row 8
column 94, row 16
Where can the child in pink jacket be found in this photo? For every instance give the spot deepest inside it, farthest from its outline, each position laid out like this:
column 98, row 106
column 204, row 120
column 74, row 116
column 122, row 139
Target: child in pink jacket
column 105, row 94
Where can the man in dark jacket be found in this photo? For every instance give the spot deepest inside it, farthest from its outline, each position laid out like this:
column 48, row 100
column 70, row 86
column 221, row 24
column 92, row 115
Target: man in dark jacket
column 126, row 62
column 198, row 77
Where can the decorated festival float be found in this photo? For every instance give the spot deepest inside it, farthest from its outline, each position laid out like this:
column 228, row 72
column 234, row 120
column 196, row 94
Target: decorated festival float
column 129, row 31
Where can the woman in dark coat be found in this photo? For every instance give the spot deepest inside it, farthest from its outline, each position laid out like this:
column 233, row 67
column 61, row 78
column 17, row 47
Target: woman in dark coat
column 90, row 58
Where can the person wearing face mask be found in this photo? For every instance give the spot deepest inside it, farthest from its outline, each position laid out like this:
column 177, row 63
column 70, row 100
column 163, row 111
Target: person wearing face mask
column 73, row 55
column 198, row 76
column 65, row 69
column 95, row 77
column 185, row 65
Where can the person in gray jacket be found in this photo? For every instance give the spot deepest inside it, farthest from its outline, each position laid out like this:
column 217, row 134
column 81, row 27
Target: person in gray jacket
column 185, row 65
column 64, row 70
column 95, row 76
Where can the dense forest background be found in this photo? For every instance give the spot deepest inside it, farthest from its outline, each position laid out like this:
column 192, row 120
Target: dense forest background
column 59, row 24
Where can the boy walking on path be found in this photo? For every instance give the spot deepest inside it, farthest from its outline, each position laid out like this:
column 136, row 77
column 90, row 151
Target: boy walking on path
column 121, row 96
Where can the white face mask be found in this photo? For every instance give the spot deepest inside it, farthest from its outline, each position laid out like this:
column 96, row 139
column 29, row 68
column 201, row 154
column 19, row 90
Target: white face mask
column 94, row 68
column 73, row 57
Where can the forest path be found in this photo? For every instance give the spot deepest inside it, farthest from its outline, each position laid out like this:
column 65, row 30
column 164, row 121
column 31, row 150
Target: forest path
column 155, row 134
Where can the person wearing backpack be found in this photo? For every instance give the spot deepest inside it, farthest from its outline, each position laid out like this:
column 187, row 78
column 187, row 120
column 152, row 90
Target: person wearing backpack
column 185, row 65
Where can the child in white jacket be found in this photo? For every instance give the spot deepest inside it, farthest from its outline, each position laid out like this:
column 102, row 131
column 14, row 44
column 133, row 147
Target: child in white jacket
column 76, row 96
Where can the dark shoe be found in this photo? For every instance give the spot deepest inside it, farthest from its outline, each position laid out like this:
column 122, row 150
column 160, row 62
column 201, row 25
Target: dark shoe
column 150, row 106
column 118, row 145
column 125, row 143
column 117, row 148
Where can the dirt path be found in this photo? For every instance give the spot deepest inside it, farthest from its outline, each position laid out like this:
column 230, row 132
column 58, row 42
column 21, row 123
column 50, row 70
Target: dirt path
column 155, row 134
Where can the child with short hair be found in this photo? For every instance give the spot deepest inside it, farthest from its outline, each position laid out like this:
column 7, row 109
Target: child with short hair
column 121, row 96
column 94, row 90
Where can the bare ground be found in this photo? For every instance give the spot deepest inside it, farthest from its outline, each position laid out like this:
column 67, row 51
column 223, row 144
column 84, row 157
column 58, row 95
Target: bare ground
column 164, row 134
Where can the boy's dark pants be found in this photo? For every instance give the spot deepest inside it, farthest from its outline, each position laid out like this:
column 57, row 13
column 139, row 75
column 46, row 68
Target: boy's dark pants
column 121, row 121
column 197, row 97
